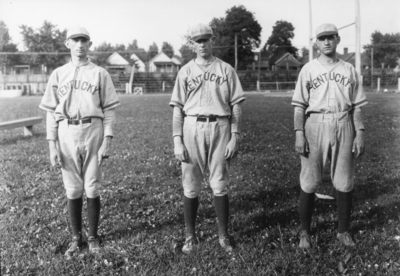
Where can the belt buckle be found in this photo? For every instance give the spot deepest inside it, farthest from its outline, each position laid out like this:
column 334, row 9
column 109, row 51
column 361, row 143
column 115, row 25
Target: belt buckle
column 207, row 119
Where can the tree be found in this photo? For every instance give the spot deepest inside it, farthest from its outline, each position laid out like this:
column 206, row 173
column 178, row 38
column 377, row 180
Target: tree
column 386, row 49
column 279, row 43
column 242, row 23
column 47, row 39
column 187, row 54
column 153, row 50
column 7, row 46
column 167, row 49
column 305, row 51
column 133, row 46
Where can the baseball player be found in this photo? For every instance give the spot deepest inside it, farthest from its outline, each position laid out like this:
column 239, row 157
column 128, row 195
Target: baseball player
column 329, row 125
column 206, row 127
column 80, row 100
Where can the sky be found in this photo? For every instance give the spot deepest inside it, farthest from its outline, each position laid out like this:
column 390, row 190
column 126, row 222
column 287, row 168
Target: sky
column 148, row 21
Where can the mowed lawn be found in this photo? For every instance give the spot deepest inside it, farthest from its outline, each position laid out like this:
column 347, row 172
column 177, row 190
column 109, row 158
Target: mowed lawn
column 142, row 227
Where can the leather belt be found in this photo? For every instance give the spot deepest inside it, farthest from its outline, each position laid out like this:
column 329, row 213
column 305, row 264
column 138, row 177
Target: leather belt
column 78, row 122
column 206, row 119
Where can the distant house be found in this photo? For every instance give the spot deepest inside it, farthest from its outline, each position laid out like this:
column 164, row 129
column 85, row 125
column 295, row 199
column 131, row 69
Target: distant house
column 163, row 64
column 262, row 64
column 140, row 60
column 348, row 57
column 117, row 64
column 286, row 62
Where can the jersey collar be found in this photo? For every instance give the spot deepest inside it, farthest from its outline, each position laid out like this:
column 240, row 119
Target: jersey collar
column 83, row 64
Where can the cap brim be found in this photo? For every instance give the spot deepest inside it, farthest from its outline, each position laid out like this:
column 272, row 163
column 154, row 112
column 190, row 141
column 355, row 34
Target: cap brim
column 327, row 33
column 204, row 36
column 79, row 35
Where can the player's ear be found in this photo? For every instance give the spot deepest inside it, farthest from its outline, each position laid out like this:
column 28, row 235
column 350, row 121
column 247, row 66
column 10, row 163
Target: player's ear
column 90, row 43
column 338, row 38
column 212, row 39
column 66, row 43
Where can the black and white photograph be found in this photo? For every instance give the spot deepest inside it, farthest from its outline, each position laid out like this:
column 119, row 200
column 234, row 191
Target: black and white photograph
column 241, row 137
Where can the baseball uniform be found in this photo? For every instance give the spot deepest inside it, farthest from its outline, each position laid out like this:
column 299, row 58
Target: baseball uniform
column 205, row 94
column 80, row 99
column 328, row 97
column 83, row 93
column 206, row 97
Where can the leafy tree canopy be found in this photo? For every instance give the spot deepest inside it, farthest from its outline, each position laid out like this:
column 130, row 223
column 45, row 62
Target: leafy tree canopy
column 133, row 46
column 167, row 49
column 46, row 39
column 239, row 21
column 386, row 49
column 7, row 46
column 187, row 54
column 279, row 43
column 153, row 50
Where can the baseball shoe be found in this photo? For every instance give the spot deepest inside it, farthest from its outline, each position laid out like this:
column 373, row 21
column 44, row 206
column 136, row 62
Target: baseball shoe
column 74, row 246
column 225, row 243
column 305, row 240
column 190, row 244
column 94, row 245
column 346, row 239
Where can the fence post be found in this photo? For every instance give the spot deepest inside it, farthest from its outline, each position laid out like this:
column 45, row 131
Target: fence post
column 127, row 88
column 277, row 86
column 398, row 85
column 379, row 85
column 163, row 86
column 258, row 86
column 35, row 88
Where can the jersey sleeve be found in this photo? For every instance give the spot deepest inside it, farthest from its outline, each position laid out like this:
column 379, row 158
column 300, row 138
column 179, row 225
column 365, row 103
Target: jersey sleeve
column 302, row 90
column 236, row 90
column 179, row 97
column 108, row 95
column 358, row 98
column 50, row 99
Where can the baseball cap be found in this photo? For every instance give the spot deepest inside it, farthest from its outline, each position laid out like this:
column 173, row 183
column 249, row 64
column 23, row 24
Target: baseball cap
column 200, row 31
column 78, row 31
column 326, row 29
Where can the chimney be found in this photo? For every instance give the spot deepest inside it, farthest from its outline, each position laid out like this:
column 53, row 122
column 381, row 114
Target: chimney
column 346, row 50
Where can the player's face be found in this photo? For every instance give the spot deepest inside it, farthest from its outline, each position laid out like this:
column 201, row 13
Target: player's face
column 203, row 47
column 79, row 46
column 327, row 44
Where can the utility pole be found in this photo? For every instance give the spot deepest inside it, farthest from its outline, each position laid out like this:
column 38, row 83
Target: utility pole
column 310, row 47
column 236, row 61
column 358, row 40
column 372, row 67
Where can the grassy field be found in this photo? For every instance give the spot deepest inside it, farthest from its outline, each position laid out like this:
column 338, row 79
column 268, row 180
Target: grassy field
column 142, row 228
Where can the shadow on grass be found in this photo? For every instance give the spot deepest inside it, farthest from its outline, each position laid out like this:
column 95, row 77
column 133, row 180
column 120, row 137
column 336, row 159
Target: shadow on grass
column 261, row 210
column 12, row 139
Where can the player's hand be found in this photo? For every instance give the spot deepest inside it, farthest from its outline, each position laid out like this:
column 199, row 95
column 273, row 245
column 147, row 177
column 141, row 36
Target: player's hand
column 105, row 150
column 180, row 150
column 232, row 148
column 358, row 143
column 301, row 146
column 55, row 155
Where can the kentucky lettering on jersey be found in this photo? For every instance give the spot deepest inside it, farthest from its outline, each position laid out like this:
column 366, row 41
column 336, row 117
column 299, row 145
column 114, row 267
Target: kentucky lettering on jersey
column 206, row 76
column 207, row 92
column 331, row 76
column 328, row 90
column 79, row 92
column 77, row 85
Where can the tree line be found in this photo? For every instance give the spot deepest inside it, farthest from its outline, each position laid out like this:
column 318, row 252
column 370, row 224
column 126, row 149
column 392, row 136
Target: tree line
column 238, row 22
